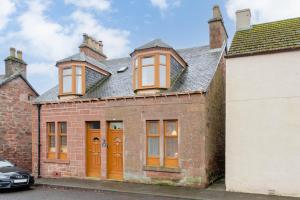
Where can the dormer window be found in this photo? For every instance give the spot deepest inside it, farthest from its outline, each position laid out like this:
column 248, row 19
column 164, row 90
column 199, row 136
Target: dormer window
column 150, row 71
column 71, row 80
column 156, row 66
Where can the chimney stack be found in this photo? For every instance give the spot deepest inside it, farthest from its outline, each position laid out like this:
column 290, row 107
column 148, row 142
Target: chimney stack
column 243, row 19
column 15, row 65
column 217, row 31
column 92, row 48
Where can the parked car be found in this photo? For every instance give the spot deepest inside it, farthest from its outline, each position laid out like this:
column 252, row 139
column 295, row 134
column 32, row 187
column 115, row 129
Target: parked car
column 13, row 177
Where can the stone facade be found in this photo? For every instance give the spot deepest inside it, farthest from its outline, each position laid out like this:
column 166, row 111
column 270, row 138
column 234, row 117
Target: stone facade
column 198, row 132
column 15, row 122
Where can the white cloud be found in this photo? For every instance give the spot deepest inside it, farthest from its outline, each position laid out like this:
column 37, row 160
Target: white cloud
column 265, row 10
column 115, row 41
column 165, row 4
column 99, row 5
column 6, row 9
column 46, row 41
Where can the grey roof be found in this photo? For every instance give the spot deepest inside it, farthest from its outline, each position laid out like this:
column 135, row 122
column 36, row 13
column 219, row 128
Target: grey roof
column 154, row 43
column 84, row 58
column 4, row 79
column 202, row 65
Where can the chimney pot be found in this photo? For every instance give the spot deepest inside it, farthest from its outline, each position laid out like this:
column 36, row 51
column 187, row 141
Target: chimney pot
column 12, row 52
column 20, row 55
column 243, row 19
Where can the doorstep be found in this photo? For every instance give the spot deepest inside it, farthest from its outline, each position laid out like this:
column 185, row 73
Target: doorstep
column 215, row 192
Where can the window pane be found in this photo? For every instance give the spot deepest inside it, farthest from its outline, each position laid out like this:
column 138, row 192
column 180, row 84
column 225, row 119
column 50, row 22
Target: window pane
column 163, row 59
column 67, row 71
column 78, row 70
column 52, row 143
column 152, row 127
column 67, row 84
column 153, row 146
column 63, row 127
column 116, row 125
column 172, row 147
column 51, row 127
column 94, row 125
column 136, row 62
column 148, row 76
column 63, row 144
column 148, row 61
column 78, row 84
column 162, row 75
column 171, row 128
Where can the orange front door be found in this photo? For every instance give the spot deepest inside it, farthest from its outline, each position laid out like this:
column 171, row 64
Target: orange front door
column 93, row 145
column 115, row 151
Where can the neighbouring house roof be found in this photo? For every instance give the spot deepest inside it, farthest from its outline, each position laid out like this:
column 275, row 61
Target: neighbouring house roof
column 202, row 65
column 267, row 37
column 4, row 79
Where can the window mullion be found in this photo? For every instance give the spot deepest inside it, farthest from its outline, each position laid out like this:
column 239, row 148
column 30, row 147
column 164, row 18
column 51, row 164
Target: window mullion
column 161, row 143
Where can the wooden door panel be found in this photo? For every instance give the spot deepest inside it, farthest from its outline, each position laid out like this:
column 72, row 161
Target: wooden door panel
column 93, row 157
column 115, row 154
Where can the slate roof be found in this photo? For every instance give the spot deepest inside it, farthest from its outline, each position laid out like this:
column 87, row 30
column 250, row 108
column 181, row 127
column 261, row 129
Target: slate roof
column 84, row 58
column 154, row 43
column 202, row 64
column 266, row 37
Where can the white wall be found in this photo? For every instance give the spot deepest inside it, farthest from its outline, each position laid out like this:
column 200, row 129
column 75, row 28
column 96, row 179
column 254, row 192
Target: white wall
column 263, row 124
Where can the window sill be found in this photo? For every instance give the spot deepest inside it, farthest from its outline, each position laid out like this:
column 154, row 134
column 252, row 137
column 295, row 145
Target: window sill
column 162, row 169
column 58, row 161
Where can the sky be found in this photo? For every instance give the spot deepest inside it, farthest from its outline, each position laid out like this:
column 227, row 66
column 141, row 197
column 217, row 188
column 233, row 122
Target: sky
column 49, row 30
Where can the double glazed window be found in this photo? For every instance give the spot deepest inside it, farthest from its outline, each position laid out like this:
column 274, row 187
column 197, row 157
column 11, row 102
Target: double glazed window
column 72, row 80
column 151, row 71
column 57, row 140
column 169, row 139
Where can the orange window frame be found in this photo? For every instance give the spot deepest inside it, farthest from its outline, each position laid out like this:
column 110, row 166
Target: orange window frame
column 170, row 162
column 152, row 160
column 138, row 69
column 74, row 75
column 62, row 154
column 51, row 154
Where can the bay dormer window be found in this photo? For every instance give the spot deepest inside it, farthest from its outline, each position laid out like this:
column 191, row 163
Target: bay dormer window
column 152, row 71
column 71, row 80
column 156, row 67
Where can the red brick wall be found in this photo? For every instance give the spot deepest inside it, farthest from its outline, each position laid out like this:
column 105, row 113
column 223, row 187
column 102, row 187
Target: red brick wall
column 15, row 123
column 189, row 110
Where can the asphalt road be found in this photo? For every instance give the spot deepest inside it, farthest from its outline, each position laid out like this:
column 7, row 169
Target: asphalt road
column 40, row 193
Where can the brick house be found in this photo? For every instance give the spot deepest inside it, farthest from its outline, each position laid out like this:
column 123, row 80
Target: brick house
column 16, row 95
column 157, row 116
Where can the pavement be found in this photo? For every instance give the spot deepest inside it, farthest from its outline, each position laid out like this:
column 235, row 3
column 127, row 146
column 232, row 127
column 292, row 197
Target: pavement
column 43, row 193
column 214, row 192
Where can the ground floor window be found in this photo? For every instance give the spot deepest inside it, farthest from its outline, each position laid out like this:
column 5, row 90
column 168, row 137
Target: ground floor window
column 57, row 140
column 62, row 133
column 153, row 137
column 169, row 137
column 51, row 140
column 171, row 143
